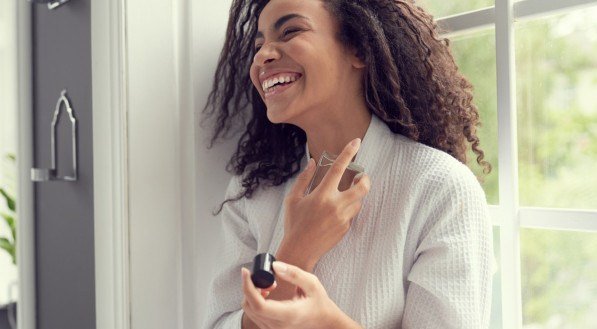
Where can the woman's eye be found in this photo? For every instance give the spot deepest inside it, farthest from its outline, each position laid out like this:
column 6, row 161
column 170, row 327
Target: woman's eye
column 257, row 48
column 289, row 31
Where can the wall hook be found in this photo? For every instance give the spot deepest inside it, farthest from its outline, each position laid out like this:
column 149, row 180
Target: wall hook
column 44, row 175
column 52, row 4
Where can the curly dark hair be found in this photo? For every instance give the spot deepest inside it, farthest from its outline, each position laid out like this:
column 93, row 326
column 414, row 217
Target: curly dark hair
column 411, row 82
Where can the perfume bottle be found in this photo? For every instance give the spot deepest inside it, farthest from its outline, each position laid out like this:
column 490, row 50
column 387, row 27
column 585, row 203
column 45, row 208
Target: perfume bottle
column 263, row 275
column 324, row 164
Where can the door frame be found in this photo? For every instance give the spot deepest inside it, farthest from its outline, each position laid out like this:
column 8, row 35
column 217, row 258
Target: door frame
column 111, row 218
column 26, row 310
column 127, row 112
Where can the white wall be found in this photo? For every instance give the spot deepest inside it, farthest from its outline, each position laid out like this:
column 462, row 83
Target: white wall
column 8, row 124
column 171, row 183
column 154, row 166
column 167, row 291
column 209, row 22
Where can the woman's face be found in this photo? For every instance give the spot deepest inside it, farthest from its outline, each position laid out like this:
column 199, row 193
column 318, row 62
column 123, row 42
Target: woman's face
column 300, row 67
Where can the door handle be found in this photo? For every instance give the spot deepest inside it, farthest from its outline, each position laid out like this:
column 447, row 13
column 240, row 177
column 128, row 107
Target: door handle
column 44, row 175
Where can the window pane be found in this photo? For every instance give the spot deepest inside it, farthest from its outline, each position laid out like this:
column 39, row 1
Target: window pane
column 441, row 8
column 559, row 279
column 475, row 56
column 557, row 112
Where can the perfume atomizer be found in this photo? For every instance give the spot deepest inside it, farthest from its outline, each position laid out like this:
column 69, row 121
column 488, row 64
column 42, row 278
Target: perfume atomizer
column 325, row 163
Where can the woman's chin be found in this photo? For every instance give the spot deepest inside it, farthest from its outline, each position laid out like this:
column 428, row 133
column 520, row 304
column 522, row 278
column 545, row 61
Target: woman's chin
column 277, row 114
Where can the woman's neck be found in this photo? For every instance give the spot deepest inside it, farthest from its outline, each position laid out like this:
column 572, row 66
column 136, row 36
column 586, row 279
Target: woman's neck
column 332, row 135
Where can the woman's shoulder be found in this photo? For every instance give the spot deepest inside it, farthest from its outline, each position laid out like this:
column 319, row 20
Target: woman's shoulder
column 263, row 193
column 431, row 168
column 438, row 183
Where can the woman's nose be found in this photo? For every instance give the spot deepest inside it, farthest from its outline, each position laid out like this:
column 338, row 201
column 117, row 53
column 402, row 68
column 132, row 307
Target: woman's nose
column 266, row 54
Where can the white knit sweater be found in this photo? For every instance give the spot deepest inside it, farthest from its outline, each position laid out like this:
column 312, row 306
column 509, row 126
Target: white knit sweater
column 418, row 255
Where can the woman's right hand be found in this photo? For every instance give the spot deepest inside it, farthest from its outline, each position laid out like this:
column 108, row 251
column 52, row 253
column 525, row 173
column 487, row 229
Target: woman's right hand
column 315, row 223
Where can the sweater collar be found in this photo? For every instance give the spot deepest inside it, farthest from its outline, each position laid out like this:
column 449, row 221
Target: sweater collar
column 372, row 144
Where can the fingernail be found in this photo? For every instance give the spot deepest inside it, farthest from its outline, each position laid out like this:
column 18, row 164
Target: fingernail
column 310, row 163
column 358, row 177
column 280, row 267
column 355, row 142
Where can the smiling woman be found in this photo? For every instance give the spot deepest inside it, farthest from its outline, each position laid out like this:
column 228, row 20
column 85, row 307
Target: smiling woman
column 307, row 48
column 409, row 243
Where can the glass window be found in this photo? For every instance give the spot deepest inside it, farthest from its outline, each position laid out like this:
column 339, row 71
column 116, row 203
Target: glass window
column 559, row 279
column 557, row 113
column 441, row 8
column 475, row 56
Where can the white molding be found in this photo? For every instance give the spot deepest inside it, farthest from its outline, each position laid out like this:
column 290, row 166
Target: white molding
column 559, row 219
column 549, row 218
column 160, row 154
column 467, row 22
column 187, row 129
column 110, row 162
column 528, row 9
column 523, row 10
column 508, row 164
column 26, row 311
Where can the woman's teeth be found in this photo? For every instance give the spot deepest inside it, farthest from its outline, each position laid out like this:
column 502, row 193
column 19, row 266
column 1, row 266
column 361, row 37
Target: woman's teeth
column 271, row 83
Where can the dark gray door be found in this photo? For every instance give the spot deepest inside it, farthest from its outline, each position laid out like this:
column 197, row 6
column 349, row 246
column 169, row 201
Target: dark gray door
column 63, row 210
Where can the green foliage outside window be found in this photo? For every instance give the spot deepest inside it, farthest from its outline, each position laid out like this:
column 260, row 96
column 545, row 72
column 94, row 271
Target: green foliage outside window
column 8, row 241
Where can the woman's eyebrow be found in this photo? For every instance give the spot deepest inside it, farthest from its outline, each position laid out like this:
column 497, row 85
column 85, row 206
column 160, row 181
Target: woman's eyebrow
column 278, row 24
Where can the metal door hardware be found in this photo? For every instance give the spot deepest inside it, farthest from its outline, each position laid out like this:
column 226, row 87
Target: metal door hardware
column 52, row 4
column 44, row 175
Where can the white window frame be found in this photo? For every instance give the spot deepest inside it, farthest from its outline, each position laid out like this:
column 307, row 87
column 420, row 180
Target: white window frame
column 26, row 310
column 509, row 216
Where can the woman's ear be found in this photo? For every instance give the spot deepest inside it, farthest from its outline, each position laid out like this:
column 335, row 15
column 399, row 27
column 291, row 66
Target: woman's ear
column 356, row 60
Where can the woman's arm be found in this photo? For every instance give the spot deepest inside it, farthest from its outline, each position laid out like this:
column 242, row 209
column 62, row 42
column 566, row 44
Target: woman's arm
column 236, row 250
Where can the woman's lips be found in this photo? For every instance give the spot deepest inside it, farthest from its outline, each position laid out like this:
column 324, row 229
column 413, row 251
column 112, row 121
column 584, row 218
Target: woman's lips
column 278, row 89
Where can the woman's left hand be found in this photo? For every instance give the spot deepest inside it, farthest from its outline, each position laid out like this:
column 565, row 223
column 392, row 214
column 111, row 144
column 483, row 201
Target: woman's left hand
column 309, row 308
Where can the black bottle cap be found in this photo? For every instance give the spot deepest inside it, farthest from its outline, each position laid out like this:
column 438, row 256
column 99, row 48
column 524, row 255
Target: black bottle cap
column 263, row 275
